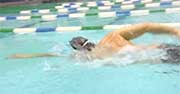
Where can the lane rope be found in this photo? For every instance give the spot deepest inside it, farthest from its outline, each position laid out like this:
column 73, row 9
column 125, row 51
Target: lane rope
column 78, row 8
column 72, row 28
column 100, row 14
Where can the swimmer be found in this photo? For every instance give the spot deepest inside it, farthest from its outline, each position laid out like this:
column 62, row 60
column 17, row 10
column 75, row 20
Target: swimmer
column 117, row 40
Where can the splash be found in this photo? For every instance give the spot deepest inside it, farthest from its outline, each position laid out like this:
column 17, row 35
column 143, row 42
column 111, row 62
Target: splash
column 123, row 58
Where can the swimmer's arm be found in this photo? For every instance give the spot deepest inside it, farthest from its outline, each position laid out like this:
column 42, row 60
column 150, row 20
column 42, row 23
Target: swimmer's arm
column 144, row 47
column 131, row 32
column 21, row 56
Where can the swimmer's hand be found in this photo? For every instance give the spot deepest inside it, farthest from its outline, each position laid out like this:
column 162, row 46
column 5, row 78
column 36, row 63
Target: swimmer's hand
column 21, row 56
column 178, row 33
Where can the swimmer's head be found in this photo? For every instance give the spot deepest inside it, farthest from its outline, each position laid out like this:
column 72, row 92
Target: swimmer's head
column 81, row 43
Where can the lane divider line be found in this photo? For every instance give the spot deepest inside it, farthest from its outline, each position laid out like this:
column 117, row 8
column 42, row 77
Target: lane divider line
column 100, row 14
column 72, row 28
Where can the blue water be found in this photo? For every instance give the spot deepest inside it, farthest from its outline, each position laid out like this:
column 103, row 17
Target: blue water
column 64, row 75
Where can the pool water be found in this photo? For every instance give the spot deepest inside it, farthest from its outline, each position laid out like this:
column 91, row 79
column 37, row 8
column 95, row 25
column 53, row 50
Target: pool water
column 65, row 75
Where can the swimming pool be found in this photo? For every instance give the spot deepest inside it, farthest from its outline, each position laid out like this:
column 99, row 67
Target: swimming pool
column 64, row 75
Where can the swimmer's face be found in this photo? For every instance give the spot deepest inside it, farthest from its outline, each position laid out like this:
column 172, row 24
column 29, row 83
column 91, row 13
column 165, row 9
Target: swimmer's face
column 80, row 43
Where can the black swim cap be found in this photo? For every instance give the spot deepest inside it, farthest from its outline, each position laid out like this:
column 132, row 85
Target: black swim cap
column 81, row 43
column 173, row 53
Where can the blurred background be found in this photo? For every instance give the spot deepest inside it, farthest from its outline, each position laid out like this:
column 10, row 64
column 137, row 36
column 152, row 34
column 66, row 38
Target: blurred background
column 33, row 2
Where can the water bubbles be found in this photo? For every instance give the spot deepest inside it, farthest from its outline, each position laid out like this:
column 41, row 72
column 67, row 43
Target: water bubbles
column 49, row 66
column 46, row 67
